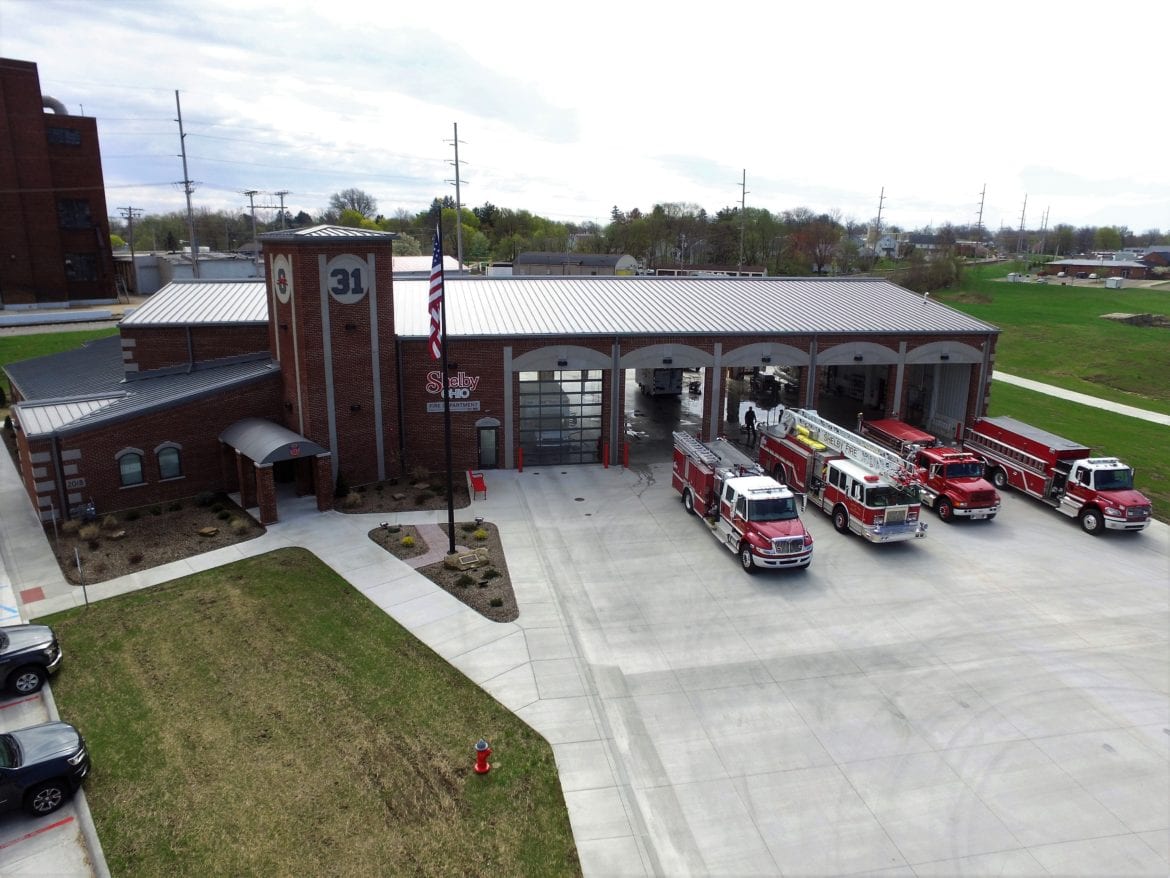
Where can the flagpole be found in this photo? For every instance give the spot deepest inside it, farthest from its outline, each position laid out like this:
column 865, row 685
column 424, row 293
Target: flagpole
column 446, row 399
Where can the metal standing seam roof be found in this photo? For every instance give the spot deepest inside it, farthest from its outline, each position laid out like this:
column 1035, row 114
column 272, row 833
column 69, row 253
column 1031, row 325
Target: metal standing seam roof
column 328, row 231
column 83, row 387
column 631, row 306
column 193, row 303
column 268, row 442
column 560, row 306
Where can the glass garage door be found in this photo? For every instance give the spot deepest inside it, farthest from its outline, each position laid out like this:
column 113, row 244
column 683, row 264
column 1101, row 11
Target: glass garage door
column 560, row 416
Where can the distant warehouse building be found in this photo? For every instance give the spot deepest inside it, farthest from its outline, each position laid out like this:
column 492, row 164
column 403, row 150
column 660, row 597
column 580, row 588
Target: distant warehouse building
column 572, row 264
column 322, row 371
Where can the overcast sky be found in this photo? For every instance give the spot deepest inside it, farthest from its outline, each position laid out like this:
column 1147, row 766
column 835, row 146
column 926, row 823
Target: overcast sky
column 567, row 110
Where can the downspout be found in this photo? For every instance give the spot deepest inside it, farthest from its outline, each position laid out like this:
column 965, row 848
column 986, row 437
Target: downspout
column 58, row 477
column 401, row 407
column 190, row 352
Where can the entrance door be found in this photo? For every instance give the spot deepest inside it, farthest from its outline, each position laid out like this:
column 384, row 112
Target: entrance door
column 489, row 438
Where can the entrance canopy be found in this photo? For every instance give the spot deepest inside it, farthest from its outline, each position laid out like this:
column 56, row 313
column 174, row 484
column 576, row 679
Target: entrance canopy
column 267, row 442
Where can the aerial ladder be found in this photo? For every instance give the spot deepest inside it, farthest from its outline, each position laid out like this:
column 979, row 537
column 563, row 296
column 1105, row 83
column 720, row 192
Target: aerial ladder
column 857, row 448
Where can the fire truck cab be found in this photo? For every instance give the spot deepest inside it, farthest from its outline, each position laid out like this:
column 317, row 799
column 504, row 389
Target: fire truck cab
column 951, row 480
column 750, row 514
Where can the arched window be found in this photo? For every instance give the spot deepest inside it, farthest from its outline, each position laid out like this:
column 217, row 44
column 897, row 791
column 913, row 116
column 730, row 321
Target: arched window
column 130, row 467
column 170, row 463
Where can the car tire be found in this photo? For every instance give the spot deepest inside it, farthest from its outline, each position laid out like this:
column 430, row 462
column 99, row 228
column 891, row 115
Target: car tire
column 945, row 510
column 27, row 680
column 745, row 558
column 841, row 520
column 999, row 478
column 45, row 798
column 1092, row 522
column 688, row 502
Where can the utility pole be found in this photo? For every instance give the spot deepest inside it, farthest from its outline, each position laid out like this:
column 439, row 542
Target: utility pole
column 188, row 188
column 979, row 222
column 280, row 195
column 251, row 193
column 1044, row 232
column 877, row 233
column 458, row 202
column 1020, row 239
column 743, row 193
column 128, row 214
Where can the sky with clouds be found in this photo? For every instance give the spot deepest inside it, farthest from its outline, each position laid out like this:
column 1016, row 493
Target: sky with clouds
column 570, row 110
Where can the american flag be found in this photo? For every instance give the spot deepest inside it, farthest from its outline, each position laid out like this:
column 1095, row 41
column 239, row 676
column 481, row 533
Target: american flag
column 435, row 302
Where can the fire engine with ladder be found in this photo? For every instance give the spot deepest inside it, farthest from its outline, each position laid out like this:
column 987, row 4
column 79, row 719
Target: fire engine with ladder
column 749, row 513
column 863, row 487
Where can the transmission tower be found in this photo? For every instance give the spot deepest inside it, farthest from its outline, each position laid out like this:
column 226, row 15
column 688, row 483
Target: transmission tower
column 458, row 200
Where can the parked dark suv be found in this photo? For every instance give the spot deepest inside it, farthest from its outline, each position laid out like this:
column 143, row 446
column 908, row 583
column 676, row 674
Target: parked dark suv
column 28, row 654
column 41, row 767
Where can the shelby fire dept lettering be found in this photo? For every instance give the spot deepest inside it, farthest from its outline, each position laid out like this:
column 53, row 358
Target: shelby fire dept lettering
column 459, row 386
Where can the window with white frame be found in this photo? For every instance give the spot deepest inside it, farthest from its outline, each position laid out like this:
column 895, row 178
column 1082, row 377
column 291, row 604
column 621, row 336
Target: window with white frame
column 170, row 461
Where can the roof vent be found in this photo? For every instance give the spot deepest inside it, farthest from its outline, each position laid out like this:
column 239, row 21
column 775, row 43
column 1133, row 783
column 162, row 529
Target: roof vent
column 55, row 105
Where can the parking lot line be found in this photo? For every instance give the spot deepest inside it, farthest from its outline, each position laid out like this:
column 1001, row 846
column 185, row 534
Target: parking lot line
column 36, row 832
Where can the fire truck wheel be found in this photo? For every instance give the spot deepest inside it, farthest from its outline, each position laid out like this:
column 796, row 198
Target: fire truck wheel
column 1091, row 521
column 688, row 502
column 999, row 478
column 841, row 520
column 944, row 509
column 745, row 558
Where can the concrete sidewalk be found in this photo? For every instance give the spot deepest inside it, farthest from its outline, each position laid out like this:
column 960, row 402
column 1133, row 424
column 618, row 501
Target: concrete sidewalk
column 1083, row 398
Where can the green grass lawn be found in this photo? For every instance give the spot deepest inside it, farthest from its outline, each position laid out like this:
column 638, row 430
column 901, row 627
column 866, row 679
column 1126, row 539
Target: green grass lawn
column 1055, row 334
column 264, row 718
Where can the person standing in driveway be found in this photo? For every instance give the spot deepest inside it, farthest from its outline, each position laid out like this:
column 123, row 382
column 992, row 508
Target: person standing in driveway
column 749, row 421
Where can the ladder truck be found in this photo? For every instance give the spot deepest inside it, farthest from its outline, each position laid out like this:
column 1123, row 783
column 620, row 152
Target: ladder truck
column 863, row 487
column 749, row 513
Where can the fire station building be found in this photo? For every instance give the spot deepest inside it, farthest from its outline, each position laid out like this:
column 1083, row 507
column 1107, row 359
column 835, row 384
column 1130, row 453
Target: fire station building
column 322, row 371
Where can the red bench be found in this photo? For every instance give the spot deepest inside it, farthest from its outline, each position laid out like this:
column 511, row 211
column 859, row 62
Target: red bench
column 478, row 485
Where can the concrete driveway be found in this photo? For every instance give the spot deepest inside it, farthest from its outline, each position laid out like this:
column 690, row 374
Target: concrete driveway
column 992, row 699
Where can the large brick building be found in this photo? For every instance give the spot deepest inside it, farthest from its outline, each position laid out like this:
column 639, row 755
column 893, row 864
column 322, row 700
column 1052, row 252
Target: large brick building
column 54, row 230
column 323, row 371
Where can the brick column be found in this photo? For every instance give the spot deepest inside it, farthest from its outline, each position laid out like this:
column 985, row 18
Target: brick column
column 323, row 476
column 245, row 472
column 266, row 493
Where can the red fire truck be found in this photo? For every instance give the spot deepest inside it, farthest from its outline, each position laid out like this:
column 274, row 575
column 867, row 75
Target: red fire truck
column 1096, row 490
column 951, row 479
column 749, row 513
column 864, row 487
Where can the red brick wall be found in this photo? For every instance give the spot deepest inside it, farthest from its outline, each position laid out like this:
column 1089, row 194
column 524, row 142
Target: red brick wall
column 195, row 426
column 159, row 347
column 36, row 174
column 299, row 326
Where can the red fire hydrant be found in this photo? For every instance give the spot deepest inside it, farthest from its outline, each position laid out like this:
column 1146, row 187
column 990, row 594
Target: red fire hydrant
column 482, row 752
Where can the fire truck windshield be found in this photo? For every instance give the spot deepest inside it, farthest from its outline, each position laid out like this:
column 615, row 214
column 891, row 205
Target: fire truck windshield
column 970, row 470
column 772, row 509
column 1113, row 479
column 888, row 495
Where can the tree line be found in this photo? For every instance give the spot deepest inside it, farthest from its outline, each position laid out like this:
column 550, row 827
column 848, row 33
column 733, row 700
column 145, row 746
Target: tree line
column 794, row 242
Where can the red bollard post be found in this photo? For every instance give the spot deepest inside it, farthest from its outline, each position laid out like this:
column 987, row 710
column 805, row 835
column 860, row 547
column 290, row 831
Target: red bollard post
column 625, row 455
column 520, row 459
column 482, row 752
column 605, row 454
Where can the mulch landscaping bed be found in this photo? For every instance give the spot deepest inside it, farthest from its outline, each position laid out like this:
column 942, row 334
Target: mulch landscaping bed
column 478, row 588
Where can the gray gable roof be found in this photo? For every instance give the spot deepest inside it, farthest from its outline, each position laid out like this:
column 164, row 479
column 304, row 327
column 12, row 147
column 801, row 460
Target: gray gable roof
column 327, row 231
column 199, row 302
column 77, row 389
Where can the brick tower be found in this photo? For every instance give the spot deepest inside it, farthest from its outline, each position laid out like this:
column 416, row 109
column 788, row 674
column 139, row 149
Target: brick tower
column 331, row 298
